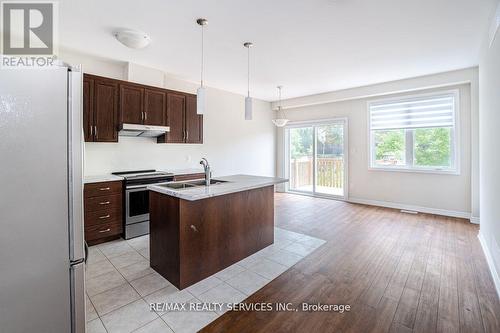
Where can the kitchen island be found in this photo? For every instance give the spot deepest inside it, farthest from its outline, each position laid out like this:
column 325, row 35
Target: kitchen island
column 198, row 230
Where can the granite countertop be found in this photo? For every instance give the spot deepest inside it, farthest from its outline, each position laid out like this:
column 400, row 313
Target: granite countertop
column 235, row 183
column 109, row 177
column 101, row 178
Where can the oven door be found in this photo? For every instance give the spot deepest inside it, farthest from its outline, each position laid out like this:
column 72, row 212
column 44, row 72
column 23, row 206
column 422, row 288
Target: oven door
column 136, row 204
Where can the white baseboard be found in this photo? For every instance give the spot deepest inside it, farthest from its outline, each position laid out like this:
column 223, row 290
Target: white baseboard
column 474, row 219
column 489, row 260
column 436, row 211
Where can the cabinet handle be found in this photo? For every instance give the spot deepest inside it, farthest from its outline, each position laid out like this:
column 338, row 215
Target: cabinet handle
column 104, row 189
column 104, row 217
column 104, row 203
column 187, row 135
column 194, row 228
column 95, row 131
column 142, row 116
column 107, row 230
column 91, row 131
column 145, row 115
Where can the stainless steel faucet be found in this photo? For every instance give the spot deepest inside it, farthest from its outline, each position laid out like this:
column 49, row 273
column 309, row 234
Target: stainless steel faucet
column 208, row 173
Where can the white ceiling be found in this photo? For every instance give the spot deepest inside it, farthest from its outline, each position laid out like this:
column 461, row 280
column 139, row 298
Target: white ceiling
column 308, row 46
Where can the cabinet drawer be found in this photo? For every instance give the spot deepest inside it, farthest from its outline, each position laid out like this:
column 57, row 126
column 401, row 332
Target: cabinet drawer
column 103, row 188
column 107, row 202
column 103, row 230
column 191, row 176
column 103, row 216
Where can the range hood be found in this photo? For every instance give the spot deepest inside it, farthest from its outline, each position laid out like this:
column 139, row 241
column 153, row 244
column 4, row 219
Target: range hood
column 148, row 131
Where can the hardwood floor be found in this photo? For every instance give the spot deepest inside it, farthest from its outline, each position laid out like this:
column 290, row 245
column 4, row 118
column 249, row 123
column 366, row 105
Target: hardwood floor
column 399, row 272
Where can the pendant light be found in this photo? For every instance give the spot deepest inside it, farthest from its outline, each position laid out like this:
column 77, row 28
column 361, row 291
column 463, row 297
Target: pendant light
column 281, row 119
column 248, row 99
column 200, row 93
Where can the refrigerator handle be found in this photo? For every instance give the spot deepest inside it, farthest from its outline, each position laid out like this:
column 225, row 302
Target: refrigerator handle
column 75, row 165
column 86, row 252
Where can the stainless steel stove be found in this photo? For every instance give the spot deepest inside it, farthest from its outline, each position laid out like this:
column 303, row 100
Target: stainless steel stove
column 137, row 199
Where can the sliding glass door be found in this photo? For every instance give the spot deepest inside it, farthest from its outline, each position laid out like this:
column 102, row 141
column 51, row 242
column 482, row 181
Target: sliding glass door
column 316, row 158
column 301, row 173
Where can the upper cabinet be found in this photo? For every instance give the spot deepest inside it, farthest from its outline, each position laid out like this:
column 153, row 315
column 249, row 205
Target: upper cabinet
column 142, row 105
column 155, row 107
column 108, row 103
column 176, row 107
column 194, row 122
column 88, row 109
column 186, row 126
column 100, row 109
column 131, row 104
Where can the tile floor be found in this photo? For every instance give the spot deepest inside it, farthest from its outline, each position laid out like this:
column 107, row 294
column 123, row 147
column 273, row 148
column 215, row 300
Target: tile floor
column 121, row 285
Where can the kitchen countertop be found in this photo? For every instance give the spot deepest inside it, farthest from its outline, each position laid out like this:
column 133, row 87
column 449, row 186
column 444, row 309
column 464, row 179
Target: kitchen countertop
column 101, row 178
column 235, row 183
column 109, row 177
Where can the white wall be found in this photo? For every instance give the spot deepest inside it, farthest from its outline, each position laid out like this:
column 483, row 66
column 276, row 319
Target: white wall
column 489, row 122
column 231, row 144
column 445, row 194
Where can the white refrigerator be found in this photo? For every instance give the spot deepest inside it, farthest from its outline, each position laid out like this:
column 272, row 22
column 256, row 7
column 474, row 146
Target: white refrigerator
column 42, row 248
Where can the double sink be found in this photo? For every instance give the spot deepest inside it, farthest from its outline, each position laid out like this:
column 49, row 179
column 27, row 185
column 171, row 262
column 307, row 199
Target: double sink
column 191, row 184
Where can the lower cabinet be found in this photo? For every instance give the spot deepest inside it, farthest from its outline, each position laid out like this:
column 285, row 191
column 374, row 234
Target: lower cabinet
column 103, row 211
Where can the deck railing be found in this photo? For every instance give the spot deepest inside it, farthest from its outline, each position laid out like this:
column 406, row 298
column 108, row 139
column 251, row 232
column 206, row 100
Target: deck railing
column 330, row 172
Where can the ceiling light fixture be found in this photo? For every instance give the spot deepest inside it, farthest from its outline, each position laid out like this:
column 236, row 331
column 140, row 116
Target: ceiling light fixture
column 248, row 99
column 201, row 93
column 133, row 39
column 280, row 121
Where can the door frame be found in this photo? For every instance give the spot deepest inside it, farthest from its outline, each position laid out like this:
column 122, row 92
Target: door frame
column 286, row 155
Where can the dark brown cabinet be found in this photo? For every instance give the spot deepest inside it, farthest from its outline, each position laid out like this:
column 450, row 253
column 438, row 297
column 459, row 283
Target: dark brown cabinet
column 100, row 109
column 192, row 240
column 186, row 126
column 176, row 106
column 88, row 109
column 142, row 105
column 103, row 211
column 194, row 122
column 155, row 107
column 131, row 104
column 108, row 103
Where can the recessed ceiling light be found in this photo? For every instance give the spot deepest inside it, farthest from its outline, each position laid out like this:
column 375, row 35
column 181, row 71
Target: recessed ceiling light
column 133, row 39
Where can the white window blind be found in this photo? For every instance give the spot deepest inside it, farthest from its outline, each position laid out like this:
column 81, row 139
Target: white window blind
column 422, row 112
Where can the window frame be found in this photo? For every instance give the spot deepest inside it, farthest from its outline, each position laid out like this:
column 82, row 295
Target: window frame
column 455, row 145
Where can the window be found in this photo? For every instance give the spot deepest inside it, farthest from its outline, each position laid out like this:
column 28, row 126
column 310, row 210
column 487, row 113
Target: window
column 415, row 133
